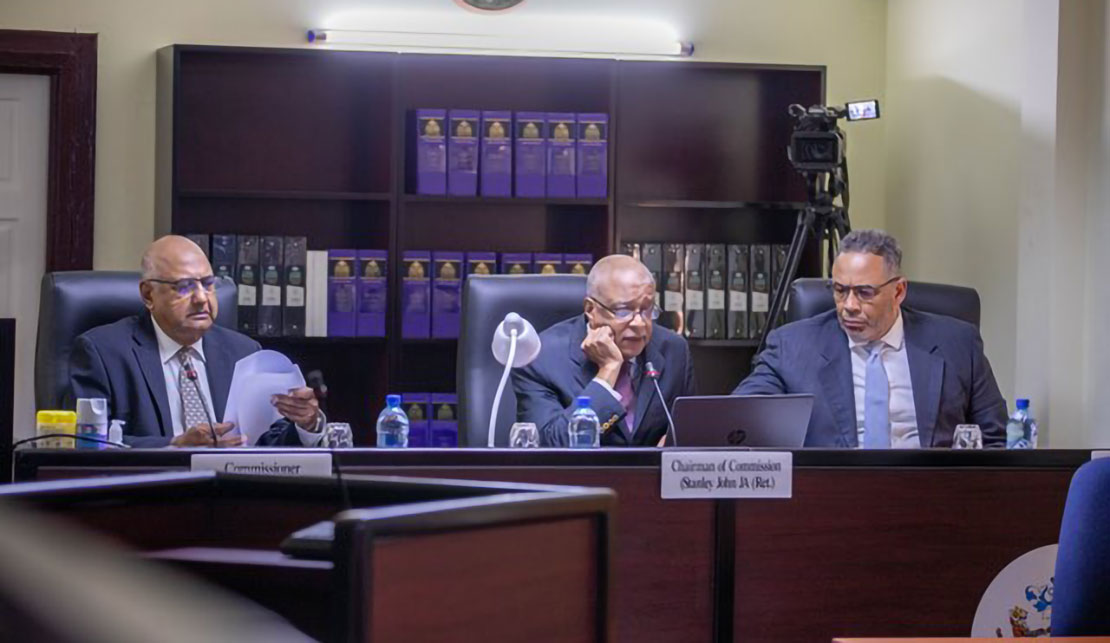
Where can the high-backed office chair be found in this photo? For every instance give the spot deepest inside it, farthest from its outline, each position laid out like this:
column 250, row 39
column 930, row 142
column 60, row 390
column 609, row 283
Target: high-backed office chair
column 71, row 303
column 1081, row 601
column 809, row 297
column 541, row 299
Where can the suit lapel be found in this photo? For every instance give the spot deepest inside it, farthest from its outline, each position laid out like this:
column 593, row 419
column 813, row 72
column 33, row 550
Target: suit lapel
column 835, row 375
column 219, row 370
column 150, row 363
column 926, row 376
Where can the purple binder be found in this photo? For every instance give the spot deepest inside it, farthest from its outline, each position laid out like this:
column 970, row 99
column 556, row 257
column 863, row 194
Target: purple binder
column 446, row 293
column 341, row 293
column 530, row 154
column 561, row 169
column 578, row 264
column 593, row 155
column 431, row 151
column 516, row 263
column 496, row 164
column 462, row 153
column 372, row 292
column 416, row 294
column 444, row 420
column 547, row 263
column 481, row 263
column 416, row 407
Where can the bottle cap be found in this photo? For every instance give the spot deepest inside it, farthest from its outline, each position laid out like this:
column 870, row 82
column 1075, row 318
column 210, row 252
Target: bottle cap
column 1022, row 404
column 583, row 401
column 393, row 400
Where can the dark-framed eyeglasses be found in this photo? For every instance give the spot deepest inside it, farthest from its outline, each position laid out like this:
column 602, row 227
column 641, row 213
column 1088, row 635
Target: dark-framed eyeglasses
column 184, row 287
column 626, row 314
column 863, row 292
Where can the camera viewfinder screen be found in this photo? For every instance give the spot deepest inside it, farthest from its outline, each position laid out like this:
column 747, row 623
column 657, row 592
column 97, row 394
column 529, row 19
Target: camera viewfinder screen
column 863, row 110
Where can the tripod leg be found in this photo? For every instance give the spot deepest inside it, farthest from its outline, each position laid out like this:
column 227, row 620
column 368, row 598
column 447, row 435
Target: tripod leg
column 806, row 219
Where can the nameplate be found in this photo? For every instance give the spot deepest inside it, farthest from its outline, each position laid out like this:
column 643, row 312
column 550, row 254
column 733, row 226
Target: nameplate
column 275, row 464
column 688, row 475
column 1095, row 455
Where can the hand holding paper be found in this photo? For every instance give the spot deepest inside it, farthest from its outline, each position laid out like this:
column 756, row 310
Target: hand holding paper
column 257, row 378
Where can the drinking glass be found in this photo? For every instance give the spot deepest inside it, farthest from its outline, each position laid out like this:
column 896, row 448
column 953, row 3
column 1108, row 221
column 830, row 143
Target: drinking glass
column 967, row 436
column 524, row 435
column 337, row 435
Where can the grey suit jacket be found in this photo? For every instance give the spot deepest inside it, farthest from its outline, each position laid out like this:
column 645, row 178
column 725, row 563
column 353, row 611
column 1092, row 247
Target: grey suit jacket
column 546, row 389
column 120, row 362
column 951, row 377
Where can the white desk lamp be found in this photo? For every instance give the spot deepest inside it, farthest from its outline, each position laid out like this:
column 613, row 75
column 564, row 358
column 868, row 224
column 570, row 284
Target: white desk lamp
column 515, row 343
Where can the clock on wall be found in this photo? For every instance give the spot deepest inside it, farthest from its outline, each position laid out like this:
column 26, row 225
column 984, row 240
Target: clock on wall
column 488, row 5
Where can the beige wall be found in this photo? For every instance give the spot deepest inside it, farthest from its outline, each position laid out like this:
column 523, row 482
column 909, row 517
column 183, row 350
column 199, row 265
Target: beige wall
column 849, row 39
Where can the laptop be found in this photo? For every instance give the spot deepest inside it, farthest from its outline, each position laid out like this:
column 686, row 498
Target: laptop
column 741, row 420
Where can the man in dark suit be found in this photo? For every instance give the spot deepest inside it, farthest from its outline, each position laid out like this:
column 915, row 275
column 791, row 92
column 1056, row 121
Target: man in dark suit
column 883, row 376
column 603, row 354
column 167, row 372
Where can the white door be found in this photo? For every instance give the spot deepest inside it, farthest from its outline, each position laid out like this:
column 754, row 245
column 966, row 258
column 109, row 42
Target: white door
column 24, row 140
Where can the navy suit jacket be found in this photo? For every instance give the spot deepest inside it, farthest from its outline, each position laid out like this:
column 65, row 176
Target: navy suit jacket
column 120, row 362
column 951, row 378
column 546, row 389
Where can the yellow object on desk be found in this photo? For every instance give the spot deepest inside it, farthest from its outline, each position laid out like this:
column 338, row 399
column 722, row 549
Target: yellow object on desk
column 53, row 422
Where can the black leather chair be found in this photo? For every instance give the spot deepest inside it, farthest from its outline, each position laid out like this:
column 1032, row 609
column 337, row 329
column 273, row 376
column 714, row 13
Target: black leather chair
column 71, row 303
column 541, row 299
column 809, row 297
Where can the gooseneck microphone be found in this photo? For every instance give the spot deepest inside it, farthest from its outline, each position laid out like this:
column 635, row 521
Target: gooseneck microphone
column 650, row 371
column 191, row 373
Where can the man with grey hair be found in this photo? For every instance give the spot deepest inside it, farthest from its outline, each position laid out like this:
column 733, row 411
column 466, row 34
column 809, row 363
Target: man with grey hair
column 167, row 372
column 882, row 375
column 603, row 354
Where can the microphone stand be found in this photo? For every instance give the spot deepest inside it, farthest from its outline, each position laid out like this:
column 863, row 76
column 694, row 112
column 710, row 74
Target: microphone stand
column 654, row 375
column 501, row 388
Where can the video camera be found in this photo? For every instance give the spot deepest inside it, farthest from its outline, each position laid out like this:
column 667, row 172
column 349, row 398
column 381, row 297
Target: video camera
column 817, row 144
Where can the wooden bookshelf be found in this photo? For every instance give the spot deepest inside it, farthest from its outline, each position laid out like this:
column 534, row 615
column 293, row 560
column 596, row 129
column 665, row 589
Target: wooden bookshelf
column 318, row 143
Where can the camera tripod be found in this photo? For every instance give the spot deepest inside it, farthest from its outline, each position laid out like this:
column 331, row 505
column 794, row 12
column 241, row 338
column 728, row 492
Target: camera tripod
column 826, row 222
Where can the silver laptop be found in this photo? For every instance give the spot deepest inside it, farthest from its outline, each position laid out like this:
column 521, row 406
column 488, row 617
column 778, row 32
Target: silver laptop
column 741, row 420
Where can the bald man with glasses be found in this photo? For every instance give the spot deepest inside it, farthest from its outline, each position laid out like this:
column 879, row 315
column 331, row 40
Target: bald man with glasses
column 883, row 375
column 167, row 372
column 603, row 354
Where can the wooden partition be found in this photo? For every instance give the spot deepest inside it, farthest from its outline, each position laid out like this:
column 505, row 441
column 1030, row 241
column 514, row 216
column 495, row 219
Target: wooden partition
column 417, row 560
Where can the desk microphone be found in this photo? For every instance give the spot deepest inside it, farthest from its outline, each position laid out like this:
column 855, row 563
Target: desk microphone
column 650, row 371
column 191, row 373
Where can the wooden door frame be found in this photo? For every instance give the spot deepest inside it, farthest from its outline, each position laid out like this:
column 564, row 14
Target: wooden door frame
column 69, row 59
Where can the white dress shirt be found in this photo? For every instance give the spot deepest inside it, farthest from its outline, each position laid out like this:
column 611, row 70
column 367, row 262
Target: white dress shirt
column 171, row 371
column 903, row 414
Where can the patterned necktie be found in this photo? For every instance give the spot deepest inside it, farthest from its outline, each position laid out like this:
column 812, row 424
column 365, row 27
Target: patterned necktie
column 876, row 401
column 191, row 404
column 628, row 398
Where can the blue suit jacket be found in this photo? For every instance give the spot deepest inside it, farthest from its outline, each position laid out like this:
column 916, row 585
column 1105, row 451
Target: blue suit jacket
column 120, row 362
column 951, row 377
column 546, row 389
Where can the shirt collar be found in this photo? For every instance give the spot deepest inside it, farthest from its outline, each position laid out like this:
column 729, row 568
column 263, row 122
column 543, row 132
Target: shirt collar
column 893, row 338
column 167, row 347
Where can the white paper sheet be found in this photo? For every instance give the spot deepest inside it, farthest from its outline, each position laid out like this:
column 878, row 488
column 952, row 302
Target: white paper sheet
column 257, row 377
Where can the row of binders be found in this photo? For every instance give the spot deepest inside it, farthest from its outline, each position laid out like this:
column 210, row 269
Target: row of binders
column 433, row 419
column 465, row 152
column 713, row 291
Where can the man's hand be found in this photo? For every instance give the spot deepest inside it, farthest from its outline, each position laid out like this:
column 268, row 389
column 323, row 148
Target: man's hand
column 201, row 436
column 601, row 349
column 300, row 406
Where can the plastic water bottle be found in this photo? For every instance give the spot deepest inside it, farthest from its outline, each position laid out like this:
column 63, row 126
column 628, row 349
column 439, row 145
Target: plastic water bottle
column 1021, row 428
column 584, row 427
column 393, row 424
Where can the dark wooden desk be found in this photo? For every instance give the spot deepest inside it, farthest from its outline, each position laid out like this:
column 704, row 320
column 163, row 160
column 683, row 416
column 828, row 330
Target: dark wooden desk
column 416, row 560
column 898, row 543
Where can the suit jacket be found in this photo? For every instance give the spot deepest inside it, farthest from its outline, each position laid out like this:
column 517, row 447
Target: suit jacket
column 120, row 362
column 546, row 389
column 951, row 378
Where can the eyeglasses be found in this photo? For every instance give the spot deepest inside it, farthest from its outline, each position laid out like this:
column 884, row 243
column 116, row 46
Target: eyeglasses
column 863, row 293
column 184, row 287
column 626, row 314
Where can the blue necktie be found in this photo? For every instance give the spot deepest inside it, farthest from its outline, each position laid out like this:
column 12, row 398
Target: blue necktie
column 876, row 401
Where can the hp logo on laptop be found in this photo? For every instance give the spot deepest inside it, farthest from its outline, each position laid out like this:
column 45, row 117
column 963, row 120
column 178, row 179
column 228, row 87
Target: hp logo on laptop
column 737, row 437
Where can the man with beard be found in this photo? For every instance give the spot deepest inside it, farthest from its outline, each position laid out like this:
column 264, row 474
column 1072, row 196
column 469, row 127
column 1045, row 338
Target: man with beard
column 883, row 375
column 603, row 354
column 167, row 372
